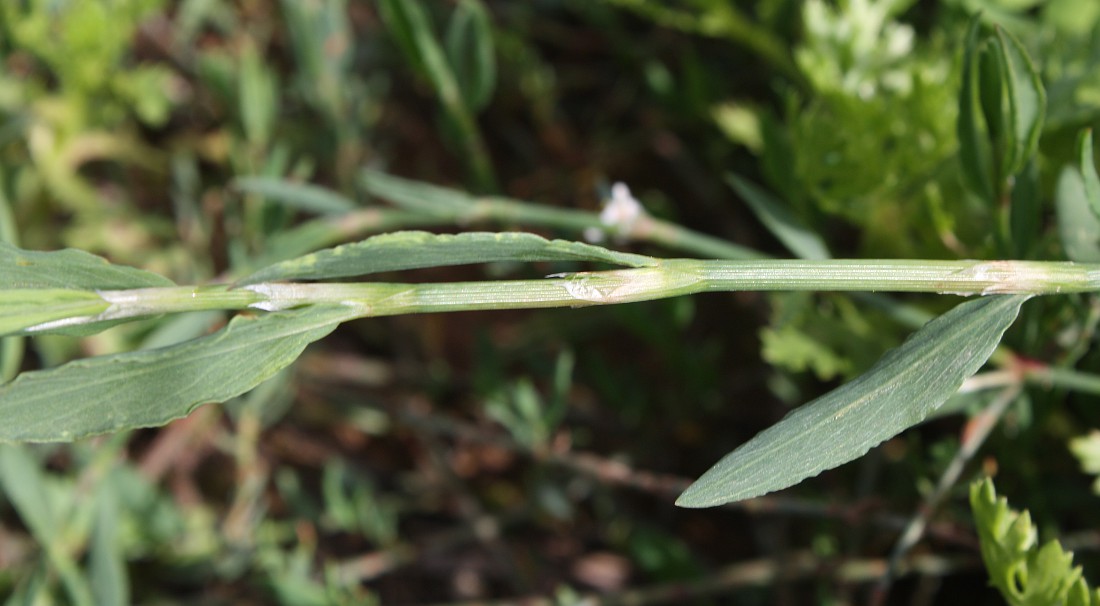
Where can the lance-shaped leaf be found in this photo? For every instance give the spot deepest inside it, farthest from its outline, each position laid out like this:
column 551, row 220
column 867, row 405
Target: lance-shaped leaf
column 899, row 391
column 974, row 149
column 418, row 196
column 150, row 388
column 469, row 45
column 1026, row 102
column 415, row 249
column 69, row 269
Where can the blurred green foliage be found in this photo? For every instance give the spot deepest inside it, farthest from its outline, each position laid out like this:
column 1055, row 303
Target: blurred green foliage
column 842, row 113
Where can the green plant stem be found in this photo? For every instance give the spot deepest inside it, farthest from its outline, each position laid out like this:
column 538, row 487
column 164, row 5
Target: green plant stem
column 669, row 278
column 455, row 207
column 943, row 277
column 1064, row 378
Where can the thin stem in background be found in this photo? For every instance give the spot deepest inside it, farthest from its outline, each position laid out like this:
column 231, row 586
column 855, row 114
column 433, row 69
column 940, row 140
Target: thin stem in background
column 976, row 433
column 754, row 573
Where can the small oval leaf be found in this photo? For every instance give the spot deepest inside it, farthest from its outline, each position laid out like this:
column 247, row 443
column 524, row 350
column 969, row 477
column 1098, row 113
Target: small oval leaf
column 899, row 391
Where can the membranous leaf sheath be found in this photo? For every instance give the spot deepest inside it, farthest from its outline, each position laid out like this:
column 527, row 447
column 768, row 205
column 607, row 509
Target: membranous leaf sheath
column 899, row 391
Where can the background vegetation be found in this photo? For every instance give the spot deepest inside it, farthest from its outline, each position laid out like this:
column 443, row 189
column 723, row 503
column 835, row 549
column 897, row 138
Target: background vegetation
column 481, row 456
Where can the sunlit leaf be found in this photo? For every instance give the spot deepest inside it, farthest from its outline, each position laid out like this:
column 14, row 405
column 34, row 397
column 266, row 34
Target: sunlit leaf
column 899, row 391
column 1087, row 450
column 150, row 388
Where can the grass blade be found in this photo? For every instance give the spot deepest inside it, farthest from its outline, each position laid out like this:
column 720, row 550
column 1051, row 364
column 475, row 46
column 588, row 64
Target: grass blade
column 898, row 392
column 415, row 249
column 300, row 196
column 784, row 225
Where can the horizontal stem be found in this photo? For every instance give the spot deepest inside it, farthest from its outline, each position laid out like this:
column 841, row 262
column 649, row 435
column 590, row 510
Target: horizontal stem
column 671, row 277
column 963, row 278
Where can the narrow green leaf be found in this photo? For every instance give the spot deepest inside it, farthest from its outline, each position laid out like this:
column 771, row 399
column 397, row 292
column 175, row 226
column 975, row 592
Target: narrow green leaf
column 25, row 485
column 992, row 73
column 106, row 561
column 257, row 90
column 150, row 388
column 974, row 149
column 11, row 357
column 23, row 308
column 899, row 391
column 415, row 249
column 403, row 19
column 25, row 488
column 1026, row 212
column 1026, row 105
column 412, row 29
column 71, row 269
column 469, row 44
column 784, row 225
column 416, row 195
column 321, row 38
column 301, row 196
column 1078, row 226
column 11, row 348
column 1088, row 171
